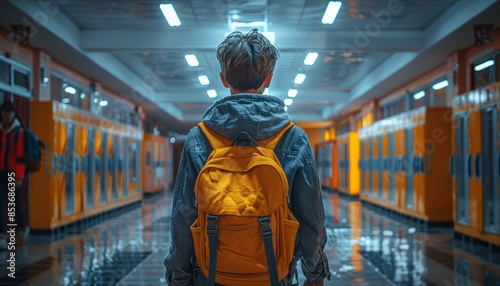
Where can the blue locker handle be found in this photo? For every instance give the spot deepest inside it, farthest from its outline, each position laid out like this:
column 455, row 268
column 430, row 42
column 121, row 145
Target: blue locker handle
column 55, row 161
column 452, row 165
column 76, row 164
column 478, row 166
column 62, row 163
column 469, row 166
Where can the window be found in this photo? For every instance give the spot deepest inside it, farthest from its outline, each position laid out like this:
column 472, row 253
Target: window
column 440, row 97
column 344, row 128
column 55, row 88
column 22, row 79
column 4, row 73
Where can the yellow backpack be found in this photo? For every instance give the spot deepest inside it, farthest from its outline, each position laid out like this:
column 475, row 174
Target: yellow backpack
column 244, row 234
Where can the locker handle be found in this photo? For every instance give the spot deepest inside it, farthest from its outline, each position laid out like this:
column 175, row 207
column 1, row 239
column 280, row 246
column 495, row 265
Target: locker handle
column 469, row 166
column 452, row 165
column 76, row 164
column 498, row 167
column 478, row 166
column 62, row 164
column 415, row 164
column 55, row 161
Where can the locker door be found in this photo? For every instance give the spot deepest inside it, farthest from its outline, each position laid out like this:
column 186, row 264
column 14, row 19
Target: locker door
column 489, row 170
column 91, row 168
column 347, row 166
column 362, row 167
column 137, row 167
column 114, row 167
column 392, row 170
column 409, row 169
column 104, row 168
column 461, row 169
column 370, row 167
column 70, row 170
column 380, row 168
column 125, row 168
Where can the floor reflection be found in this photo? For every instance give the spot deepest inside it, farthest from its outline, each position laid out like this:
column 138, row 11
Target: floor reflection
column 364, row 248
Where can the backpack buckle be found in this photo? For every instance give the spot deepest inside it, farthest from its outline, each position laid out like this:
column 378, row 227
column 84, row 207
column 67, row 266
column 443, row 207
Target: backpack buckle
column 265, row 228
column 212, row 225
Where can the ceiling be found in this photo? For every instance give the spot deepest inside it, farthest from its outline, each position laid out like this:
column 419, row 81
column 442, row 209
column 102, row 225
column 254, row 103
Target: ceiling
column 373, row 47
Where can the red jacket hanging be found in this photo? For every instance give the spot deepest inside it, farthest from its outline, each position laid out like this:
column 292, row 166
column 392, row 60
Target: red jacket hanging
column 11, row 153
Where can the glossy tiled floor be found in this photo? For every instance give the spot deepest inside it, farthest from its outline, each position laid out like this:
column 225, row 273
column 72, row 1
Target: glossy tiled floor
column 364, row 247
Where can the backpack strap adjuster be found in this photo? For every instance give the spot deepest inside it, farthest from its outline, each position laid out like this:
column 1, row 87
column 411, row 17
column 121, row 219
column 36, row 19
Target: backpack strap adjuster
column 265, row 227
column 212, row 225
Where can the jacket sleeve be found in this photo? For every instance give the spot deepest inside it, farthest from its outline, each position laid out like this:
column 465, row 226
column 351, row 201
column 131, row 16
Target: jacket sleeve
column 178, row 263
column 20, row 166
column 308, row 209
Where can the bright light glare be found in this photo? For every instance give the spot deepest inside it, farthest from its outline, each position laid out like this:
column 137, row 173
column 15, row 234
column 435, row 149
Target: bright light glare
column 170, row 15
column 203, row 79
column 484, row 65
column 266, row 91
column 419, row 95
column 292, row 92
column 299, row 79
column 192, row 60
column 103, row 103
column 331, row 12
column 440, row 85
column 70, row 90
column 212, row 93
column 288, row 101
column 310, row 59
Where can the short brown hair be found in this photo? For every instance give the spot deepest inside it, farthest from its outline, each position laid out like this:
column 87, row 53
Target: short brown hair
column 246, row 59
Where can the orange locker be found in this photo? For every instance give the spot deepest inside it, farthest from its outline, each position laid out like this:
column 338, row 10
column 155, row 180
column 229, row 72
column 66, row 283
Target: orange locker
column 349, row 175
column 410, row 154
column 81, row 178
column 476, row 164
column 153, row 163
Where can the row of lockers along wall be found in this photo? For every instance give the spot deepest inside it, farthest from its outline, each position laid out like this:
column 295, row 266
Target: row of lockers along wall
column 436, row 164
column 91, row 165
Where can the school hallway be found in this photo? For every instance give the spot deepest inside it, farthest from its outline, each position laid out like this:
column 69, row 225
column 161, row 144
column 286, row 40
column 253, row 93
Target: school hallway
column 365, row 247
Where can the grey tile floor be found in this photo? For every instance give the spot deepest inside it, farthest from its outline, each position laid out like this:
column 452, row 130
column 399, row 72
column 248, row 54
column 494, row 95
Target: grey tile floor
column 364, row 248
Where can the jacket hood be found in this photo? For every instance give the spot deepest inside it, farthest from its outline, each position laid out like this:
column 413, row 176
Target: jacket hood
column 15, row 124
column 259, row 115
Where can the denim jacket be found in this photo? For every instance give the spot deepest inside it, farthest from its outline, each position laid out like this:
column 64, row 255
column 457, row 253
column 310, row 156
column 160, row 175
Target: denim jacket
column 261, row 116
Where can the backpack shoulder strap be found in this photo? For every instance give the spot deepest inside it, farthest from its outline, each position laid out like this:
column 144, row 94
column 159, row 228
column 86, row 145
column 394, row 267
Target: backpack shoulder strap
column 273, row 141
column 216, row 140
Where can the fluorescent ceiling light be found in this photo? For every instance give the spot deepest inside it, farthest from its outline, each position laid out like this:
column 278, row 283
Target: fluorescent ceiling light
column 419, row 95
column 192, row 60
column 96, row 100
column 170, row 14
column 331, row 12
column 310, row 59
column 288, row 101
column 299, row 79
column 292, row 92
column 66, row 100
column 203, row 79
column 212, row 93
column 103, row 103
column 440, row 85
column 70, row 90
column 82, row 95
column 484, row 65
